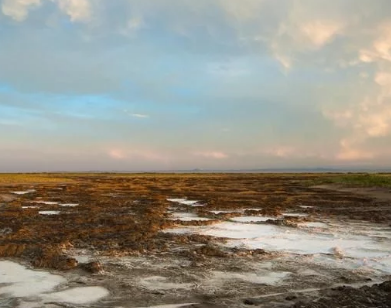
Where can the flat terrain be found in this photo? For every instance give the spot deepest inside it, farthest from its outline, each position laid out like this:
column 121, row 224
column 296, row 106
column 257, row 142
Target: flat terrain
column 215, row 240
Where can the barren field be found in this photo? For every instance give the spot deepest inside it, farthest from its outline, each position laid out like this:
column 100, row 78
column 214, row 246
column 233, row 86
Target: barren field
column 195, row 240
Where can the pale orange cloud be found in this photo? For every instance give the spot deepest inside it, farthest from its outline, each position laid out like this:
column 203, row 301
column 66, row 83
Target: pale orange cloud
column 212, row 154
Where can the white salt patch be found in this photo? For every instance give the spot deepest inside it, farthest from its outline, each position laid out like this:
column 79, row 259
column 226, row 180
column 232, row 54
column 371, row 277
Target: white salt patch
column 269, row 278
column 46, row 202
column 171, row 306
column 188, row 217
column 49, row 212
column 253, row 209
column 22, row 282
column 306, row 206
column 238, row 230
column 82, row 259
column 77, row 296
column 309, row 272
column 185, row 201
column 23, row 304
column 30, row 191
column 30, row 207
column 252, row 218
column 178, row 231
column 344, row 240
column 224, row 212
column 295, row 214
column 69, row 204
column 313, row 225
column 162, row 283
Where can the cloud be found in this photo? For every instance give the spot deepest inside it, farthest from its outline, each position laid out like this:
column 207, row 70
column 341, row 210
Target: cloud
column 77, row 10
column 282, row 151
column 320, row 32
column 350, row 152
column 212, row 154
column 18, row 9
column 380, row 47
column 116, row 154
column 139, row 115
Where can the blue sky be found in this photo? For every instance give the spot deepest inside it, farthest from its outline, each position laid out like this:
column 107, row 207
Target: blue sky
column 213, row 84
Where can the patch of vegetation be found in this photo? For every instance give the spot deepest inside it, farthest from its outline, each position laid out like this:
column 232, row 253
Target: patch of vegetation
column 27, row 178
column 359, row 180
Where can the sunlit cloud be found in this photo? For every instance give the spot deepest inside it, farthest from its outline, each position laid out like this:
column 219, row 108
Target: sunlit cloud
column 117, row 154
column 77, row 10
column 212, row 154
column 18, row 9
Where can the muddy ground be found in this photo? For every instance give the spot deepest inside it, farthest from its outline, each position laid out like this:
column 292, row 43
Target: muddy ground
column 109, row 230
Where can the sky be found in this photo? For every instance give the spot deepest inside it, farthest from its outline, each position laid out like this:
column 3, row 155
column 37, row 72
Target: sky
column 131, row 85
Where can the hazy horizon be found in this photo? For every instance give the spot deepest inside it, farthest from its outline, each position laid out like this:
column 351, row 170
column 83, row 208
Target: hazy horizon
column 131, row 85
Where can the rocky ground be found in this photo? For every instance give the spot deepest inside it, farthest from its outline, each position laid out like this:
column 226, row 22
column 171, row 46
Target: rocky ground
column 111, row 231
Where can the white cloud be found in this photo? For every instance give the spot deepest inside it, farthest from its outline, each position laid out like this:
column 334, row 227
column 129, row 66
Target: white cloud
column 77, row 10
column 320, row 32
column 212, row 154
column 139, row 115
column 18, row 9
